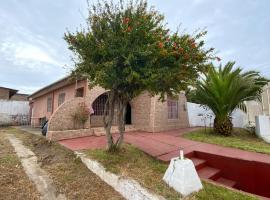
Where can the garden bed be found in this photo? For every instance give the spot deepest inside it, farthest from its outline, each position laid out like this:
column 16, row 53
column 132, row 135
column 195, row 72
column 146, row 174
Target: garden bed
column 240, row 139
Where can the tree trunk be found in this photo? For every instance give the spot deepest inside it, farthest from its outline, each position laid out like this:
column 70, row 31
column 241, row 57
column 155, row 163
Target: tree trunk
column 108, row 119
column 122, row 107
column 223, row 126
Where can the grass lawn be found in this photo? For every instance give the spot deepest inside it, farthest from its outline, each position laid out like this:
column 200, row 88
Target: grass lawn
column 133, row 163
column 240, row 139
column 14, row 183
column 70, row 176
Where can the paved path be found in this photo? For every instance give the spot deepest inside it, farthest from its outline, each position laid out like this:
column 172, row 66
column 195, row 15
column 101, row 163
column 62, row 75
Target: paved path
column 166, row 145
column 40, row 177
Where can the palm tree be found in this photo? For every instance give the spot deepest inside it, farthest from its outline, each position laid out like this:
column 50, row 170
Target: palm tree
column 225, row 89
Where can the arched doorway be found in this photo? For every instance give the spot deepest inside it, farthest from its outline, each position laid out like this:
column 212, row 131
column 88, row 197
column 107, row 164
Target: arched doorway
column 98, row 106
column 128, row 114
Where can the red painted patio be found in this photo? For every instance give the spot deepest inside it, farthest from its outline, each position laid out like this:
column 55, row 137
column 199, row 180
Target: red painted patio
column 234, row 168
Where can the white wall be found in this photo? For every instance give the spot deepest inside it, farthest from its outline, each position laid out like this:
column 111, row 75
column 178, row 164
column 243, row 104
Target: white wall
column 13, row 112
column 263, row 127
column 239, row 118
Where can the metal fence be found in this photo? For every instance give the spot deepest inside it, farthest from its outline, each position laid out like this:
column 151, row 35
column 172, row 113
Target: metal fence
column 14, row 113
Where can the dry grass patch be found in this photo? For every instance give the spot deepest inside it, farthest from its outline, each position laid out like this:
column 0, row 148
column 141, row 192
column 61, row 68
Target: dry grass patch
column 14, row 183
column 133, row 163
column 68, row 173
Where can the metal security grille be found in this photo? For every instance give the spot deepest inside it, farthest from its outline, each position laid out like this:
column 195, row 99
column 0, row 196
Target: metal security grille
column 172, row 109
column 99, row 105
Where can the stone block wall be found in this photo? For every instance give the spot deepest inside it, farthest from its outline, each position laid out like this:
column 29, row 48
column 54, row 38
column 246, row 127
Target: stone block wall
column 160, row 121
column 68, row 134
column 141, row 111
column 62, row 117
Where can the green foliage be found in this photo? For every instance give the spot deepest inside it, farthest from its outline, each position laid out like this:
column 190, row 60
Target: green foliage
column 225, row 89
column 126, row 47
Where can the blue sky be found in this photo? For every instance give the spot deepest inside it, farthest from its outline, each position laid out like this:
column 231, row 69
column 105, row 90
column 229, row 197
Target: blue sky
column 34, row 54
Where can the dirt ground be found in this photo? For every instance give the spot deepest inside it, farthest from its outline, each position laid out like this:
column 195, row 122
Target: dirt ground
column 14, row 183
column 68, row 173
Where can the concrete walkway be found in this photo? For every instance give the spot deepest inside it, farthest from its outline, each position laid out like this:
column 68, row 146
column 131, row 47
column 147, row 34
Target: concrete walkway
column 41, row 179
column 165, row 145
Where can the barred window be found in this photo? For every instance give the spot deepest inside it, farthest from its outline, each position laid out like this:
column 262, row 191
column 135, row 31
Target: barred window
column 172, row 109
column 79, row 92
column 99, row 104
column 49, row 104
column 61, row 98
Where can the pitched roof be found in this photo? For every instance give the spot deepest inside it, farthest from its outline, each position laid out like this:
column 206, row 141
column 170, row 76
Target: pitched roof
column 53, row 86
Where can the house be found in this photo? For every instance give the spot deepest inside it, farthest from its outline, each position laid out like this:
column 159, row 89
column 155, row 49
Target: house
column 144, row 112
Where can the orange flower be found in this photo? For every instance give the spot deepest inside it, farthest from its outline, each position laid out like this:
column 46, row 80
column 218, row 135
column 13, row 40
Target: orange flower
column 181, row 50
column 160, row 44
column 129, row 29
column 126, row 20
column 193, row 45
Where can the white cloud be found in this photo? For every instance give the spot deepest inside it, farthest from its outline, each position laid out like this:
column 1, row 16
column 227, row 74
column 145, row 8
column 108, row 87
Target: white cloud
column 22, row 53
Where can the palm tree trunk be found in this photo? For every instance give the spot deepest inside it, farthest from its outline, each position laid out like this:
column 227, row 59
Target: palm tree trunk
column 223, row 125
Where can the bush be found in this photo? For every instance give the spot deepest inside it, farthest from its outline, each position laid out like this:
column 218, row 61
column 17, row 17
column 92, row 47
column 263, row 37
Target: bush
column 81, row 115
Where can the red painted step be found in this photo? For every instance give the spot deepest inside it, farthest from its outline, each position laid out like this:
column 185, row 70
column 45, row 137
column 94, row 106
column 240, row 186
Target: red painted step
column 209, row 173
column 198, row 163
column 226, row 182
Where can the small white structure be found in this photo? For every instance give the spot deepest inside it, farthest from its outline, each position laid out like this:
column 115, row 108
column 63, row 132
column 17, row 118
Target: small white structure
column 263, row 127
column 182, row 176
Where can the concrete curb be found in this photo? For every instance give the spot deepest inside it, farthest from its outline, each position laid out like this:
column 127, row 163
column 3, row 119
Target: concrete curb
column 128, row 188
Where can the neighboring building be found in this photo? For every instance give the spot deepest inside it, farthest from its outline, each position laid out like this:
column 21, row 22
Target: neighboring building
column 255, row 108
column 7, row 93
column 266, row 100
column 144, row 112
column 14, row 107
column 11, row 94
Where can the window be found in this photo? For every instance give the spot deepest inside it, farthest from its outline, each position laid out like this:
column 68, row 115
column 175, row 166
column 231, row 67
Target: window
column 49, row 104
column 99, row 104
column 61, row 98
column 79, row 92
column 172, row 109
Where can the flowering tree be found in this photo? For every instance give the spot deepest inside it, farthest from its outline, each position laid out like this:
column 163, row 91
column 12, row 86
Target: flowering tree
column 126, row 48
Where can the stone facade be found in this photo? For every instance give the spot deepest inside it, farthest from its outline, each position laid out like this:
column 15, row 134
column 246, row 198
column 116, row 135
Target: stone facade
column 148, row 113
